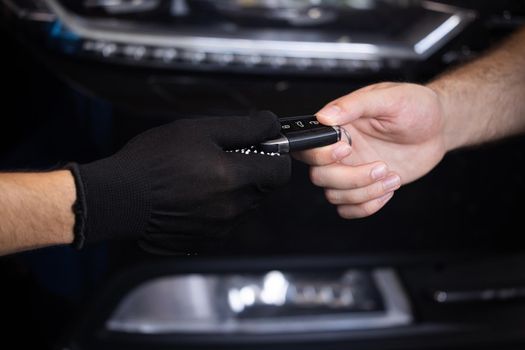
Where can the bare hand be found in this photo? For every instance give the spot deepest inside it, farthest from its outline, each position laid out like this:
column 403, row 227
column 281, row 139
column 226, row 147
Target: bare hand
column 397, row 137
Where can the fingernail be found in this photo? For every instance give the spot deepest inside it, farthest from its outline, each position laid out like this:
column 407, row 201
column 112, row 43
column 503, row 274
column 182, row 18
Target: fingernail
column 378, row 172
column 331, row 112
column 386, row 197
column 391, row 182
column 341, row 151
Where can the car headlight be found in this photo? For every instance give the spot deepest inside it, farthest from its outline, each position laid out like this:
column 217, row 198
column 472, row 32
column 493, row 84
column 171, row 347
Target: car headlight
column 272, row 302
column 323, row 36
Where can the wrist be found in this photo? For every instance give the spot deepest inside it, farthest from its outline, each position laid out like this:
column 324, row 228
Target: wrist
column 112, row 201
column 65, row 187
column 451, row 132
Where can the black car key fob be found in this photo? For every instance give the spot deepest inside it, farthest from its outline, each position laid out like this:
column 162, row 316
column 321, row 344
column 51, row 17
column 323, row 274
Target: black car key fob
column 300, row 133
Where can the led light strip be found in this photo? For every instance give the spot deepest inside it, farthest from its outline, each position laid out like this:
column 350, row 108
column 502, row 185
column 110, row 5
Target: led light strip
column 422, row 47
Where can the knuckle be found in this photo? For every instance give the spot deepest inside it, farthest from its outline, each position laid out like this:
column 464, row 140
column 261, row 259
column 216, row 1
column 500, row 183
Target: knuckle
column 312, row 157
column 333, row 196
column 344, row 212
column 373, row 191
column 316, row 176
column 353, row 197
column 369, row 208
column 369, row 192
column 346, row 103
column 318, row 158
column 350, row 182
column 349, row 197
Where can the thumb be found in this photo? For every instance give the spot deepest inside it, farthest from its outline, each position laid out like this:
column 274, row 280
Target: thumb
column 363, row 103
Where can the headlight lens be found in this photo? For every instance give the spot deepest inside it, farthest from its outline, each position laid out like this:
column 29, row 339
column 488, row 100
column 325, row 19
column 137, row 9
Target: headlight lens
column 322, row 36
column 273, row 302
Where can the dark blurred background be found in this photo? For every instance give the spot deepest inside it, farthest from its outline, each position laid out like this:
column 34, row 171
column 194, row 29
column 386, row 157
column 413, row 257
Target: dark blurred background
column 60, row 107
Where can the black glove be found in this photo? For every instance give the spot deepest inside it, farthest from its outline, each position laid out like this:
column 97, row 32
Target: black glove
column 174, row 186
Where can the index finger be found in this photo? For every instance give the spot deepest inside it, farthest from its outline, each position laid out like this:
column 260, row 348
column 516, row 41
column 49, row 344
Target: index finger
column 242, row 131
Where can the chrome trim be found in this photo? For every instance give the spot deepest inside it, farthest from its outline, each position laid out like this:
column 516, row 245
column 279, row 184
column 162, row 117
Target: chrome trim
column 342, row 130
column 187, row 305
column 337, row 130
column 434, row 40
column 440, row 33
column 38, row 15
column 416, row 48
column 396, row 302
column 282, row 143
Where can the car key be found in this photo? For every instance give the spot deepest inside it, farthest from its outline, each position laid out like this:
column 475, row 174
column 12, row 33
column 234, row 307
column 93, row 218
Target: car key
column 303, row 132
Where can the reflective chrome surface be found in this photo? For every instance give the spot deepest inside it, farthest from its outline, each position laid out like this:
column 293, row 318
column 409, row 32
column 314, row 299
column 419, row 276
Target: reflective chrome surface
column 35, row 10
column 273, row 302
column 422, row 43
column 258, row 43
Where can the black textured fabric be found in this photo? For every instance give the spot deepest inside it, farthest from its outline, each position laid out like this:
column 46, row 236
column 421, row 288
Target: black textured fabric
column 175, row 187
column 79, row 207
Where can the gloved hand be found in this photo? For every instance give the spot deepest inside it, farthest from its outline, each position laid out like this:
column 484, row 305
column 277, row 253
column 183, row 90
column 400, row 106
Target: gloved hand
column 174, row 186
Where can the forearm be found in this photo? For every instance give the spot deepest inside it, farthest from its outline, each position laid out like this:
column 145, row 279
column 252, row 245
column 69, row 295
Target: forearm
column 36, row 210
column 485, row 100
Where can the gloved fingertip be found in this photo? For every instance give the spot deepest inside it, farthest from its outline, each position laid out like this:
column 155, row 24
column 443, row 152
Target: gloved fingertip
column 264, row 114
column 269, row 119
